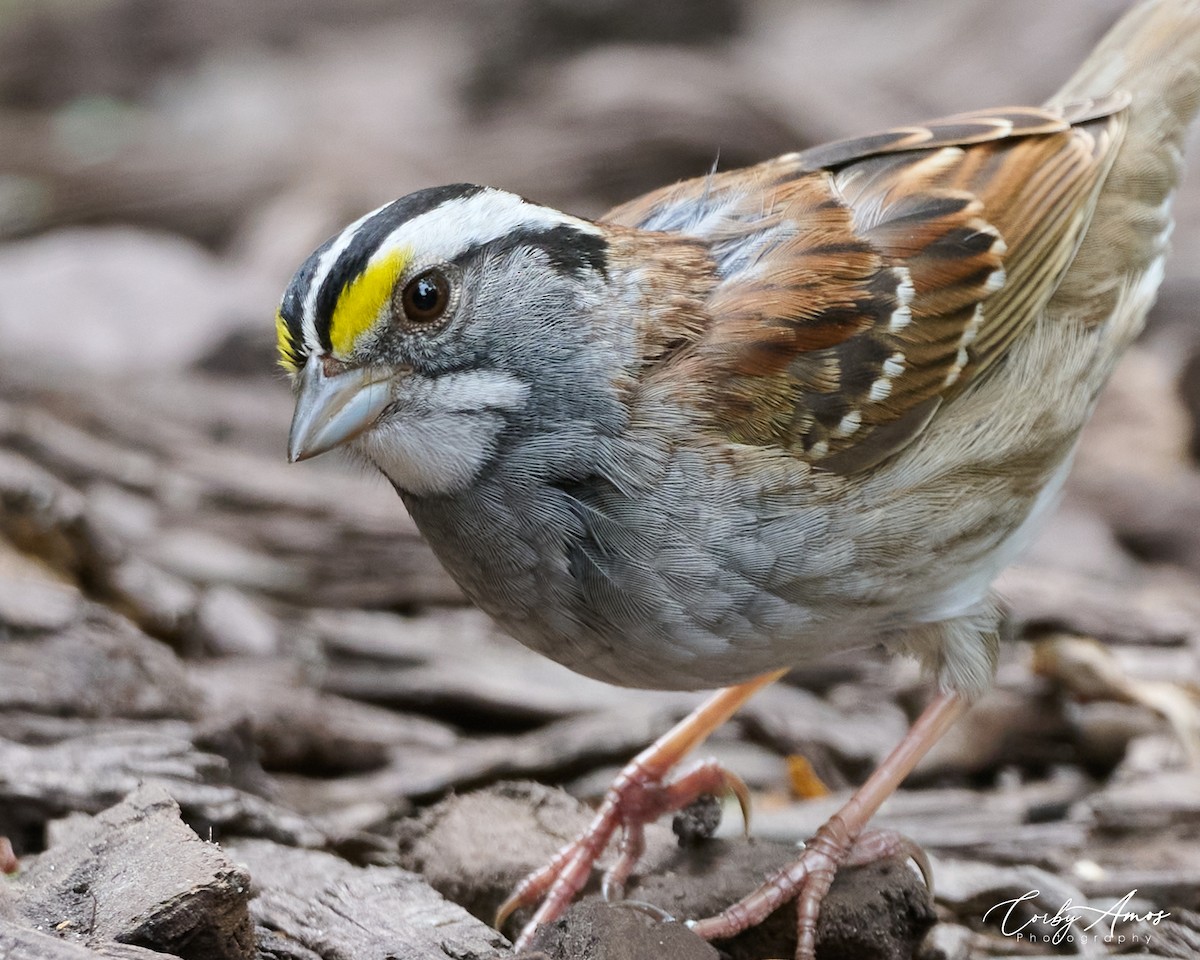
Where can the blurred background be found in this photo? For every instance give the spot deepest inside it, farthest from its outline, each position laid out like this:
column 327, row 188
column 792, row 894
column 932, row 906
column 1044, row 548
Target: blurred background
column 164, row 167
column 164, row 164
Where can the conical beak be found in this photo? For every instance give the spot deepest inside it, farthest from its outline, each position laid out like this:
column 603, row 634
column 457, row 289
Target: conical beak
column 334, row 409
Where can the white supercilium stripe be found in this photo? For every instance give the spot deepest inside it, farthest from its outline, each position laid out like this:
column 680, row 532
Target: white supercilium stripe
column 454, row 227
column 311, row 342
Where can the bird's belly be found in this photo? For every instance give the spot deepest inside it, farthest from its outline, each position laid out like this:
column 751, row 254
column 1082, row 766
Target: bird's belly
column 696, row 596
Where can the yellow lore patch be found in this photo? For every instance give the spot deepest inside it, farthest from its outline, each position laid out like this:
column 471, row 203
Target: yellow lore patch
column 361, row 302
column 283, row 343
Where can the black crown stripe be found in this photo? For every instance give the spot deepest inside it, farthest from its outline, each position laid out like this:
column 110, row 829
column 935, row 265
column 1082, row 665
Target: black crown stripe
column 367, row 239
column 568, row 248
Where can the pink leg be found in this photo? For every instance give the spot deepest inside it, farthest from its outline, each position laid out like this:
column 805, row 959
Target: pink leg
column 840, row 841
column 637, row 797
column 8, row 859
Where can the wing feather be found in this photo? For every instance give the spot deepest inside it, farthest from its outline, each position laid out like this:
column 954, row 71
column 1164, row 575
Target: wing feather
column 861, row 285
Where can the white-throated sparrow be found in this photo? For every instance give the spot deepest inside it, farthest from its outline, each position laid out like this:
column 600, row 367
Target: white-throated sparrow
column 759, row 416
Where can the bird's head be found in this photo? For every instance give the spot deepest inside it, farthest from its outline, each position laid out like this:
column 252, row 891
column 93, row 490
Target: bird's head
column 431, row 329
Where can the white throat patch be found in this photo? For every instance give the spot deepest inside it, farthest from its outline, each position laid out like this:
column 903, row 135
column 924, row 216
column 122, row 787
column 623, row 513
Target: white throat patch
column 443, row 431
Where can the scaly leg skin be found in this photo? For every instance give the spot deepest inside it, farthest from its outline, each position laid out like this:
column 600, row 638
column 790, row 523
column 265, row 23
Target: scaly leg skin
column 638, row 796
column 841, row 841
column 8, row 859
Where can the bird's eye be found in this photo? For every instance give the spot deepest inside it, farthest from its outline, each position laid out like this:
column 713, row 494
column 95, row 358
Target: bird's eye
column 425, row 297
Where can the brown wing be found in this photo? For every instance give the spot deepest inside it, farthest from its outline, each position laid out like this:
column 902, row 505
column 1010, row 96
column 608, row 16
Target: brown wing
column 864, row 283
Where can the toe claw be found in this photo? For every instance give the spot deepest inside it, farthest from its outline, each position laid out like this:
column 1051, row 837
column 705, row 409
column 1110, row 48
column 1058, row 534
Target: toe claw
column 737, row 786
column 921, row 859
column 506, row 910
column 878, row 844
column 650, row 909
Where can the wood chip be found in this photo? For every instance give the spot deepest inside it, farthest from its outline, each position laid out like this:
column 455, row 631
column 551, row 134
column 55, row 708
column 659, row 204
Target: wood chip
column 330, row 908
column 188, row 896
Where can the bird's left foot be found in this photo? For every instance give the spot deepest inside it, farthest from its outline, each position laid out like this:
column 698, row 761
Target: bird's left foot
column 808, row 880
column 638, row 796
